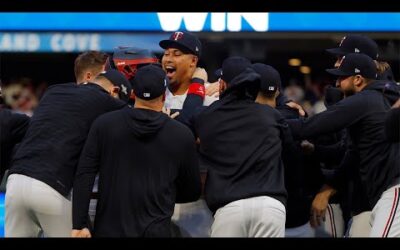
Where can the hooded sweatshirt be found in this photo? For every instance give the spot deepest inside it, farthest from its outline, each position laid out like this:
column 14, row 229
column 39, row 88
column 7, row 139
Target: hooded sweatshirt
column 364, row 115
column 147, row 162
column 240, row 145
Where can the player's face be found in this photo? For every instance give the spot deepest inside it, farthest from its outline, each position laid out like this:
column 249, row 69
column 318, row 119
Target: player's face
column 178, row 66
column 346, row 84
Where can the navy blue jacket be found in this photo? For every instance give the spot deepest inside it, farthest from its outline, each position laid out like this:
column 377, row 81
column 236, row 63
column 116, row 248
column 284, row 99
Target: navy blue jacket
column 364, row 115
column 240, row 145
column 57, row 132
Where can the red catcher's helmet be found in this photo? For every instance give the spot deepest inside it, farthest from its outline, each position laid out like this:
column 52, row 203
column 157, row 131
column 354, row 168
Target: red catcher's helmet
column 127, row 60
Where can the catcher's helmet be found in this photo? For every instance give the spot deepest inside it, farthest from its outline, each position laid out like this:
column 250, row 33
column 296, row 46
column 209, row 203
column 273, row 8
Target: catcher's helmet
column 128, row 59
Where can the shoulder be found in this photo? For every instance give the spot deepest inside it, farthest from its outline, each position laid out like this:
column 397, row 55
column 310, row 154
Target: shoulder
column 68, row 85
column 179, row 129
column 109, row 119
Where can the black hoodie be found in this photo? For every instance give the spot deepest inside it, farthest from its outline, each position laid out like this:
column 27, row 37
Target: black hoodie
column 240, row 146
column 147, row 162
column 364, row 115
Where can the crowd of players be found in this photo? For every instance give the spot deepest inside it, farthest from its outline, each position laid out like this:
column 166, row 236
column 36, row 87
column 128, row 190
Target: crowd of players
column 141, row 147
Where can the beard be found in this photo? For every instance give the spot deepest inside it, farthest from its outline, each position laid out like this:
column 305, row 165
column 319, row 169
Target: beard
column 349, row 92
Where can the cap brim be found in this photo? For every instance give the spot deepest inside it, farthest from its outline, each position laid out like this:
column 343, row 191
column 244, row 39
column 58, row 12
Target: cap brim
column 165, row 44
column 337, row 72
column 336, row 51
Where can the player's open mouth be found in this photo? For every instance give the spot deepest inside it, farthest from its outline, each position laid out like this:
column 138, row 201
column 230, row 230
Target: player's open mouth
column 170, row 71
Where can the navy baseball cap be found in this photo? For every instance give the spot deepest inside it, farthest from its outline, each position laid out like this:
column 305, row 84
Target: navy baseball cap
column 356, row 44
column 150, row 82
column 231, row 67
column 184, row 41
column 270, row 77
column 356, row 64
column 119, row 80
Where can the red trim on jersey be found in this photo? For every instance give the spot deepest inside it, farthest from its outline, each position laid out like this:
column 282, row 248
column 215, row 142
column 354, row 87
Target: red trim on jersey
column 392, row 213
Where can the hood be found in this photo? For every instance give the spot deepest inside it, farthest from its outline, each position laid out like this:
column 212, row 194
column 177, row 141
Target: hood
column 245, row 85
column 144, row 122
column 391, row 90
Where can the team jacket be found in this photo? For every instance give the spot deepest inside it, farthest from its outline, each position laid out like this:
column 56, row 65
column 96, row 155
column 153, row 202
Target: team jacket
column 12, row 130
column 297, row 176
column 240, row 146
column 392, row 125
column 57, row 132
column 147, row 162
column 363, row 114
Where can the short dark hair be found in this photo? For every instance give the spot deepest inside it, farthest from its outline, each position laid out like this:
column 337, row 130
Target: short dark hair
column 91, row 59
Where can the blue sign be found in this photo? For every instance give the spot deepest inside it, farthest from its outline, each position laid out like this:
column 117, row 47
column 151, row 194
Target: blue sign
column 76, row 42
column 200, row 22
column 2, row 214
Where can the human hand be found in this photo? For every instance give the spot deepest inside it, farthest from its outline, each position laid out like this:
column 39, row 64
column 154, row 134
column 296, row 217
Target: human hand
column 213, row 89
column 307, row 147
column 201, row 74
column 318, row 210
column 82, row 233
column 320, row 204
column 167, row 111
column 294, row 105
column 395, row 105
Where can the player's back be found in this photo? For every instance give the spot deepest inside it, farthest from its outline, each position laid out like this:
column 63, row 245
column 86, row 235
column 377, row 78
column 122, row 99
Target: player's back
column 50, row 149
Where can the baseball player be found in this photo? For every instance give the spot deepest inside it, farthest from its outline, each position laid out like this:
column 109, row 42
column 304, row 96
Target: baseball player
column 363, row 114
column 88, row 65
column 245, row 185
column 39, row 186
column 354, row 194
column 141, row 174
column 186, row 94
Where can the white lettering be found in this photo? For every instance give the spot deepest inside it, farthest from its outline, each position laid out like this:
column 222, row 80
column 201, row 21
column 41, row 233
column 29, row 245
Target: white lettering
column 68, row 42
column 33, row 42
column 173, row 21
column 55, row 43
column 19, row 42
column 218, row 21
column 5, row 43
column 82, row 41
column 258, row 21
column 95, row 42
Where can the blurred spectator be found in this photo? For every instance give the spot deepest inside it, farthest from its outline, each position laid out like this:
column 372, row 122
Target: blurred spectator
column 20, row 96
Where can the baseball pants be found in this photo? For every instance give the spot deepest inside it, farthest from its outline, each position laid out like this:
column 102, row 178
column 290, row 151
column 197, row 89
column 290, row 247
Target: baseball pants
column 359, row 225
column 385, row 217
column 260, row 216
column 32, row 206
column 333, row 226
